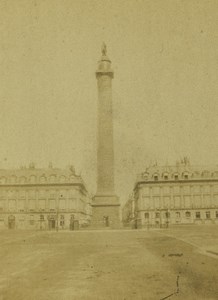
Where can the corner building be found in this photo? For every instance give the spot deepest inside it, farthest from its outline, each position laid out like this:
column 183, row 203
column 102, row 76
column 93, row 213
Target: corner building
column 44, row 199
column 181, row 194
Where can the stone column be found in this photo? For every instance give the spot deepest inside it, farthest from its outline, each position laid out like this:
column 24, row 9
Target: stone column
column 105, row 203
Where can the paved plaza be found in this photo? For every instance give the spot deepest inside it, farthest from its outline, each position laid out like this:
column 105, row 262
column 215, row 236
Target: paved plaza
column 141, row 264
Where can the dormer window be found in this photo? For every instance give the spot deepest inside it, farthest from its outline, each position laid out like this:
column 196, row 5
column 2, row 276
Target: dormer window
column 165, row 177
column 186, row 176
column 176, row 177
column 156, row 177
column 145, row 176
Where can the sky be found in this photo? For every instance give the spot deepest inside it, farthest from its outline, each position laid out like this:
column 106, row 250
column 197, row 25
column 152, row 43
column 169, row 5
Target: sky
column 165, row 88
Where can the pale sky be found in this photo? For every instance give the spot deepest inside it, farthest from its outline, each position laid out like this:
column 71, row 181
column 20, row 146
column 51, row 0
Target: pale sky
column 165, row 89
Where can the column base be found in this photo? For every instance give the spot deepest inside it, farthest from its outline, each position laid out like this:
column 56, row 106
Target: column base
column 106, row 212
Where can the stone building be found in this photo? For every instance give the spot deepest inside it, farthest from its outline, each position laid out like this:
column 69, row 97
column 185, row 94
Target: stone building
column 50, row 198
column 180, row 194
column 128, row 211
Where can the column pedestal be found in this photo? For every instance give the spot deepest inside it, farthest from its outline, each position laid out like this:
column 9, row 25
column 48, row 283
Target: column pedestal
column 106, row 212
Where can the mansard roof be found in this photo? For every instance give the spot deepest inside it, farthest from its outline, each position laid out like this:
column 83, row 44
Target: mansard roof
column 180, row 171
column 32, row 175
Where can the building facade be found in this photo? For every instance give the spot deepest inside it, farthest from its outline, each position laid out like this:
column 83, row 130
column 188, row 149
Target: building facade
column 180, row 194
column 44, row 199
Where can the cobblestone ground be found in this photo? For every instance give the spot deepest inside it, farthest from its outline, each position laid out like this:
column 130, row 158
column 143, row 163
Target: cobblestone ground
column 154, row 264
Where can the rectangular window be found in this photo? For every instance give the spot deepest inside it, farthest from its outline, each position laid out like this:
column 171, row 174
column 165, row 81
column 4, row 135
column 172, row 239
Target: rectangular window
column 187, row 214
column 177, row 214
column 156, row 190
column 52, row 205
column 146, row 190
column 197, row 201
column 42, row 204
column 31, row 221
column 21, row 205
column 196, row 189
column 166, row 201
column 42, row 218
column 22, row 194
column 187, row 201
column 32, row 194
column 42, row 194
column 206, row 201
column 12, row 194
column 177, row 201
column 176, row 189
column 52, row 194
column 216, row 214
column 166, row 190
column 186, row 189
column 151, row 203
column 146, row 215
column 62, row 204
column 72, row 193
column 62, row 194
column 72, row 204
column 206, row 189
column 198, row 215
column 12, row 205
column 207, row 214
column 32, row 205
column 157, row 202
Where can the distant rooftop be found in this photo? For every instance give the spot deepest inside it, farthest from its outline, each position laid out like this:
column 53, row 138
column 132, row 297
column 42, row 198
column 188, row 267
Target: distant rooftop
column 33, row 175
column 182, row 170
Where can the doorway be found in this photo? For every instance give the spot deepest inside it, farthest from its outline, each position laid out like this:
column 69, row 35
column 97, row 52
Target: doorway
column 11, row 222
column 51, row 223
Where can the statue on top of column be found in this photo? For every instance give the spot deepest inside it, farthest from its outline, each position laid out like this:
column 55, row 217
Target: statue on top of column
column 104, row 49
